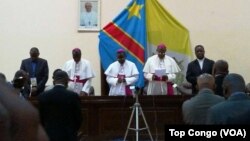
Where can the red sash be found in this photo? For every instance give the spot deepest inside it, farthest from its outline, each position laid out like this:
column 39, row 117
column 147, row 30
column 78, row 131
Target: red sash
column 170, row 89
column 128, row 91
column 83, row 81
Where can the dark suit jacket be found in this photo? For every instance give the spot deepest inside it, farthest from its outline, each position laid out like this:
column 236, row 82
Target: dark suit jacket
column 60, row 113
column 235, row 110
column 194, row 70
column 218, row 82
column 194, row 110
column 41, row 72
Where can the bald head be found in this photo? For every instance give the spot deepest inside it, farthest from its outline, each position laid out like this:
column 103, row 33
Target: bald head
column 232, row 83
column 221, row 67
column 206, row 80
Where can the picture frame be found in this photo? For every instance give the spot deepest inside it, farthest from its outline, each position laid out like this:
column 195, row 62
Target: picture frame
column 89, row 15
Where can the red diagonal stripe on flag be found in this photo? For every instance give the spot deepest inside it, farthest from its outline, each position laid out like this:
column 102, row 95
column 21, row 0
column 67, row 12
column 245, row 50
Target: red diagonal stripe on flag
column 125, row 41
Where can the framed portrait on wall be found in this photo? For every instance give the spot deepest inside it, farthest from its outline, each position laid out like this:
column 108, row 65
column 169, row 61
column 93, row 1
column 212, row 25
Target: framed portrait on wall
column 89, row 15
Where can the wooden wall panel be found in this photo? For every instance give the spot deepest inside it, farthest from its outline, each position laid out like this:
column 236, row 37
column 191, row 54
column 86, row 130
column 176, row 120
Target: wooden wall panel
column 107, row 118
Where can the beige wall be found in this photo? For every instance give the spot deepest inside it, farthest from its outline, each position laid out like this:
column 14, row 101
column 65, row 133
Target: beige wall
column 223, row 27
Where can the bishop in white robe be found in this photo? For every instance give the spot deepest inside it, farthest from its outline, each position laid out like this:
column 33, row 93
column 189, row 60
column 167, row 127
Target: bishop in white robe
column 120, row 75
column 80, row 73
column 160, row 71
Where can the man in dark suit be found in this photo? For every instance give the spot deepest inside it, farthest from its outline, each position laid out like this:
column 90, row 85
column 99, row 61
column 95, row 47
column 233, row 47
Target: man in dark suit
column 38, row 71
column 60, row 110
column 220, row 71
column 198, row 66
column 236, row 109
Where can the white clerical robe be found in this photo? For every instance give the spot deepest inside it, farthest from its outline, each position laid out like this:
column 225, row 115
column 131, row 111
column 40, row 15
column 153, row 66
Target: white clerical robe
column 88, row 19
column 153, row 63
column 80, row 75
column 131, row 76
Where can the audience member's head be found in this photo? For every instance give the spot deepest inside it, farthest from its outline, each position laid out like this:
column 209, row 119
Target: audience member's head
column 161, row 50
column 220, row 67
column 55, row 71
column 205, row 80
column 121, row 56
column 19, row 119
column 2, row 77
column 233, row 83
column 61, row 77
column 34, row 53
column 76, row 53
column 199, row 51
column 20, row 79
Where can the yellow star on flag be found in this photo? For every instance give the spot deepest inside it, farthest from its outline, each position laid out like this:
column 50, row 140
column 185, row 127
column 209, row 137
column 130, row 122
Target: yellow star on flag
column 134, row 10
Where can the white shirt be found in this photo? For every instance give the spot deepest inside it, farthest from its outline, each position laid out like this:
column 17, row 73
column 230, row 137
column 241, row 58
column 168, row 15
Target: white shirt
column 88, row 19
column 201, row 61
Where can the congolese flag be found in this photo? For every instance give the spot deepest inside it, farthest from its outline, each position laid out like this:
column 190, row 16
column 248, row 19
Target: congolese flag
column 127, row 31
column 138, row 29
